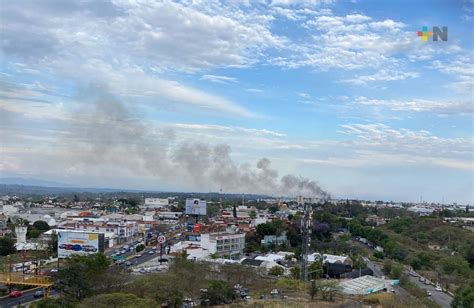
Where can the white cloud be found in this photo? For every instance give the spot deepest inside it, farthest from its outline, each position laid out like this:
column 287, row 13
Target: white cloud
column 219, row 79
column 357, row 41
column 381, row 75
column 463, row 71
column 441, row 107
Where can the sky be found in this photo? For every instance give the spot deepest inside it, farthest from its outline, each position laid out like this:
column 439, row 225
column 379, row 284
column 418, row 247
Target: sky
column 343, row 96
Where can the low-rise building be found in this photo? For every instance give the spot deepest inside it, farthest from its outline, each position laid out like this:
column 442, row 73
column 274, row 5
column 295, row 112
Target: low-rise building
column 229, row 245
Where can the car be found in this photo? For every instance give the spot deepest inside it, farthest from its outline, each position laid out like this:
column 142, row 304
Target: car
column 66, row 246
column 422, row 279
column 413, row 274
column 151, row 252
column 428, row 292
column 128, row 263
column 438, row 288
column 138, row 255
column 39, row 294
column 15, row 293
column 89, row 248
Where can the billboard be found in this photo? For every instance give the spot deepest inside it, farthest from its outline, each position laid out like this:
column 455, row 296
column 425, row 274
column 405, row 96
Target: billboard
column 79, row 243
column 195, row 207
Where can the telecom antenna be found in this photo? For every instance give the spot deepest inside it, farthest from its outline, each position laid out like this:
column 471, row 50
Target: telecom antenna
column 305, row 231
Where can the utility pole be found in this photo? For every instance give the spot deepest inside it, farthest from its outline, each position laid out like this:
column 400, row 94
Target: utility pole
column 305, row 231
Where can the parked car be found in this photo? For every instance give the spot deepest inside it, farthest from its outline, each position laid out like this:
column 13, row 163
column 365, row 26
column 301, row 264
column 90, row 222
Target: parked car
column 151, row 252
column 438, row 288
column 422, row 279
column 39, row 294
column 15, row 293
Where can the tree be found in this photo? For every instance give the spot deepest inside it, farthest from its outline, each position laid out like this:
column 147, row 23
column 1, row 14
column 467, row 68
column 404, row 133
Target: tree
column 41, row 225
column 253, row 214
column 7, row 246
column 387, row 266
column 316, row 270
column 140, row 248
column 82, row 275
column 464, row 297
column 455, row 264
column 218, row 292
column 295, row 272
column 396, row 271
column 469, row 255
column 276, row 271
column 329, row 289
column 116, row 300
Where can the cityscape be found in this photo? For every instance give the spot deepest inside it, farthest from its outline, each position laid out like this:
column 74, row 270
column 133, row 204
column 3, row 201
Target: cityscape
column 267, row 153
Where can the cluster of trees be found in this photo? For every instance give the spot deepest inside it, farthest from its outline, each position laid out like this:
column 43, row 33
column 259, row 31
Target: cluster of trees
column 275, row 227
column 85, row 281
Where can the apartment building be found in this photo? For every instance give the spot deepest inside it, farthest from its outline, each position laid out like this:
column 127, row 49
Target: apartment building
column 226, row 245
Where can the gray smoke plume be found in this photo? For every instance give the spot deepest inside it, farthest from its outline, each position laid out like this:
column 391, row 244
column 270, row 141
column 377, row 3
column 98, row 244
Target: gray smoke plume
column 105, row 131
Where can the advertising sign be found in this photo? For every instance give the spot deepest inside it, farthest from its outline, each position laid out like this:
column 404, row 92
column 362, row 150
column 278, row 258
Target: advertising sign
column 195, row 207
column 79, row 243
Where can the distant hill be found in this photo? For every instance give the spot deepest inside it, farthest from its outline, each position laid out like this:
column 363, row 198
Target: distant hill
column 30, row 182
column 68, row 191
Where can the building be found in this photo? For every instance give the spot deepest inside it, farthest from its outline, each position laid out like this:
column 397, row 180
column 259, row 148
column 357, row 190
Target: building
column 228, row 245
column 377, row 220
column 326, row 258
column 366, row 285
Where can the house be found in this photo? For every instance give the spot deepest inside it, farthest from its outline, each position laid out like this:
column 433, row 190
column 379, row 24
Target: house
column 326, row 258
column 378, row 221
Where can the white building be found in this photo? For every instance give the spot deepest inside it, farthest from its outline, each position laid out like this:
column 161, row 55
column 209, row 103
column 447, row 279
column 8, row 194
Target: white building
column 226, row 244
column 366, row 285
column 329, row 258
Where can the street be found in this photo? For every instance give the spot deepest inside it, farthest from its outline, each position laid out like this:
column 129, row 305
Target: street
column 27, row 297
column 439, row 297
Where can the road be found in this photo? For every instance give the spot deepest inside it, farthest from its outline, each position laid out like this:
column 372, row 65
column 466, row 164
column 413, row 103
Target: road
column 439, row 297
column 27, row 297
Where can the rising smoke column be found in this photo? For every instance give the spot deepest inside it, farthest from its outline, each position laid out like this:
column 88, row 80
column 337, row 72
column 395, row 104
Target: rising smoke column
column 108, row 132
